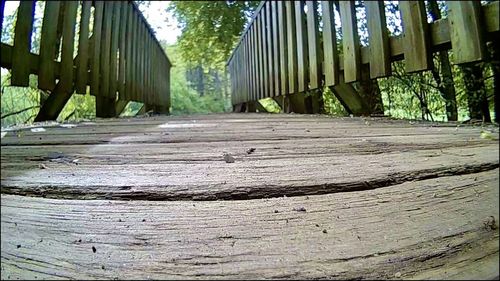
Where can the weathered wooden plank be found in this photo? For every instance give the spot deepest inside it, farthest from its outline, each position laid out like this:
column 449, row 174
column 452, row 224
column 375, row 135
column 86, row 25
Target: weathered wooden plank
column 148, row 69
column 142, row 93
column 140, row 61
column 155, row 71
column 246, row 69
column 466, row 28
column 106, row 48
column 128, row 54
column 302, row 48
column 283, row 50
column 113, row 57
column 250, row 67
column 313, row 45
column 403, row 150
column 68, row 37
column 292, row 47
column 331, row 58
column 276, row 48
column 47, row 76
column 167, row 81
column 260, row 70
column 83, row 50
column 233, row 87
column 239, row 69
column 255, row 73
column 269, row 51
column 137, row 59
column 417, row 53
column 490, row 13
column 343, row 235
column 380, row 54
column 124, row 35
column 263, row 46
column 95, row 65
column 22, row 44
column 241, row 66
column 236, row 75
column 350, row 42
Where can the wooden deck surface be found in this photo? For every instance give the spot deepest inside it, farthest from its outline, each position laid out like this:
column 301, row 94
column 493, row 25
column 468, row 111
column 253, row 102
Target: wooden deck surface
column 306, row 197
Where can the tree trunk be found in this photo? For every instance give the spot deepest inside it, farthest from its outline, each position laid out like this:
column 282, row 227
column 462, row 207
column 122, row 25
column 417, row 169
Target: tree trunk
column 476, row 93
column 200, row 83
column 445, row 84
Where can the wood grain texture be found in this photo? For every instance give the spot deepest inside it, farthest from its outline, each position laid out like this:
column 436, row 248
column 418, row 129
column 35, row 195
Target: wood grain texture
column 68, row 39
column 95, row 66
column 269, row 50
column 302, row 47
column 181, row 158
column 331, row 62
column 350, row 42
column 106, row 48
column 83, row 50
column 365, row 198
column 122, row 67
column 380, row 59
column 466, row 28
column 431, row 229
column 291, row 47
column 128, row 93
column 113, row 57
column 46, row 75
column 260, row 60
column 263, row 50
column 283, row 51
column 313, row 45
column 276, row 48
column 417, row 53
column 22, row 44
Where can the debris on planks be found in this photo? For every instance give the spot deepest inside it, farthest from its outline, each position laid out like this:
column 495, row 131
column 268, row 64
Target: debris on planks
column 228, row 158
column 299, row 209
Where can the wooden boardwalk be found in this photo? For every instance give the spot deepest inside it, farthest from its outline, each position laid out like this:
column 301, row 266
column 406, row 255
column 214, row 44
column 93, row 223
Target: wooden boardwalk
column 306, row 197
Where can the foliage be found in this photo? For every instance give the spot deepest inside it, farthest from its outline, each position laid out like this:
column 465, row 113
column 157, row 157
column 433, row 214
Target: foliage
column 270, row 105
column 210, row 29
column 184, row 99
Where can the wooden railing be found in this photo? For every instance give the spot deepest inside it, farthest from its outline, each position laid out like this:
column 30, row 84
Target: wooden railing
column 284, row 52
column 118, row 59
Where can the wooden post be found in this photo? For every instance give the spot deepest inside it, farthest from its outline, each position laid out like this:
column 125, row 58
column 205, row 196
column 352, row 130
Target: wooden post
column 22, row 44
column 141, row 111
column 120, row 106
column 280, row 100
column 54, row 104
column 350, row 98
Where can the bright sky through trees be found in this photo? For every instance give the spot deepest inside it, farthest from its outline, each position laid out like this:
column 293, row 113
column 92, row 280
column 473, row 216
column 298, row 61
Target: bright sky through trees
column 160, row 20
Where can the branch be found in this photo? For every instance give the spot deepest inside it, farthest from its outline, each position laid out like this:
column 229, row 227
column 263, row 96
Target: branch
column 20, row 111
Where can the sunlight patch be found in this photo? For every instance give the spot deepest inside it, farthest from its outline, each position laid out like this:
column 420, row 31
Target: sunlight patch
column 185, row 125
